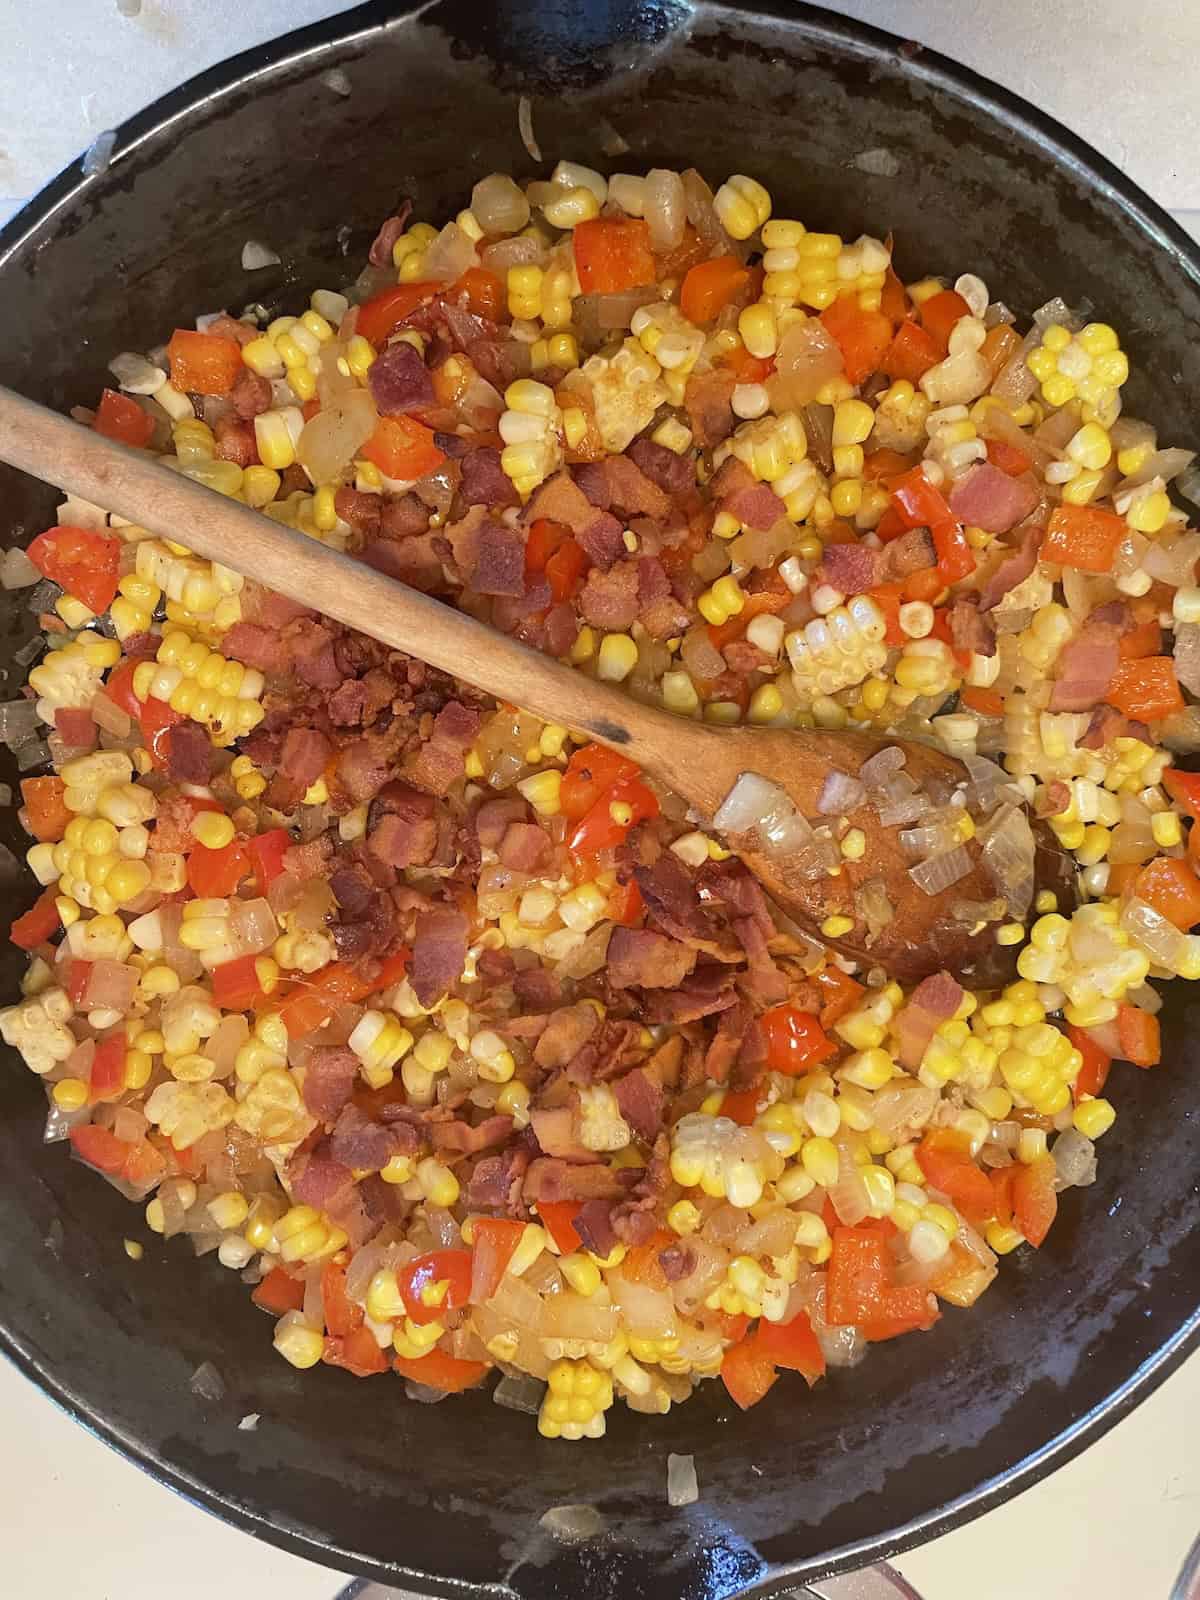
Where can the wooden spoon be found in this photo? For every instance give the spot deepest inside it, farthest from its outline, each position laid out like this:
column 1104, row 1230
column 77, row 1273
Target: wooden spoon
column 699, row 763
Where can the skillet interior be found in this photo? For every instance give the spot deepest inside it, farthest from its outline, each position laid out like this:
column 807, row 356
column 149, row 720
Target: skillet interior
column 928, row 1431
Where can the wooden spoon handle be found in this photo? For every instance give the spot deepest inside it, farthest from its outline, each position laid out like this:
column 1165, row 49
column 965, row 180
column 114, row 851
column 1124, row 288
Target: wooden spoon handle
column 129, row 482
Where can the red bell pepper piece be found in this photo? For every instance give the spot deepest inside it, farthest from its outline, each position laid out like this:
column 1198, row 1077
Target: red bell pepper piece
column 82, row 560
column 1008, row 457
column 564, row 569
column 1184, row 789
column 496, row 1240
column 106, row 1080
column 747, row 1373
column 46, row 813
column 386, row 311
column 920, row 505
column 1146, row 690
column 939, row 314
column 1035, row 1202
column 592, row 771
column 911, row 354
column 342, row 1316
column 599, row 829
column 235, row 984
column 558, row 1216
column 863, row 337
column 484, row 294
column 796, row 1041
column 438, row 1370
column 625, row 905
column 1140, row 1036
column 943, row 1155
column 278, row 1293
column 612, row 254
column 357, row 1352
column 1172, row 888
column 100, row 1148
column 203, row 363
column 1093, row 1074
column 423, row 1273
column 314, row 1000
column 215, row 874
column 38, row 923
column 710, row 286
column 79, row 975
column 1083, row 537
column 793, row 1345
column 120, row 417
column 404, row 448
column 741, row 1106
column 266, row 853
column 840, row 993
column 156, row 719
column 860, row 1289
column 119, row 687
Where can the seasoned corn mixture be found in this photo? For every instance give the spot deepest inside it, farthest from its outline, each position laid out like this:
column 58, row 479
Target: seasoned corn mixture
column 467, row 1048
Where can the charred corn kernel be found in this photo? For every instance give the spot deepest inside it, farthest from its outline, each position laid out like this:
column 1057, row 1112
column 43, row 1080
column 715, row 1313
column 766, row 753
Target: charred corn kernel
column 297, row 1341
column 617, row 658
column 742, row 206
column 1093, row 1117
column 438, row 1183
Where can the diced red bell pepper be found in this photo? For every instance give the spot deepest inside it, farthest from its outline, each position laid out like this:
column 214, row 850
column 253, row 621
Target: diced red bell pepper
column 342, row 1316
column 840, row 993
column 79, row 975
column 999, row 346
column 641, row 1263
column 988, row 702
column 314, row 1000
column 156, row 719
column 1140, row 1036
column 424, row 1272
column 860, row 1288
column 741, row 1105
column 46, row 813
column 438, row 1370
column 747, row 1373
column 1172, row 888
column 625, row 905
column 387, row 310
column 484, row 293
column 796, row 1041
column 1083, row 537
column 1184, row 789
column 745, row 367
column 278, row 1293
column 235, row 984
column 38, row 923
column 542, row 541
column 203, row 363
column 106, row 1079
column 944, row 1156
column 765, row 602
column 84, row 562
column 215, row 874
column 1146, row 690
column 1143, row 639
column 710, row 286
column 893, row 300
column 100, row 1148
column 496, row 1240
column 357, row 1352
column 558, row 1216
column 863, row 337
column 911, row 354
column 1001, row 1180
column 599, row 829
column 1093, row 1074
column 1035, row 1201
column 920, row 505
column 612, row 254
column 120, row 417
column 403, row 448
column 592, row 771
column 792, row 1344
column 1008, row 457
column 565, row 568
column 119, row 687
column 940, row 313
column 267, row 851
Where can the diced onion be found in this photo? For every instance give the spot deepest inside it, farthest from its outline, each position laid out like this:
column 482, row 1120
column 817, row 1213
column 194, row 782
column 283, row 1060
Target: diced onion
column 423, row 1394
column 664, row 210
column 807, row 359
column 255, row 256
column 1187, row 655
column 332, row 438
column 498, row 205
column 877, row 909
column 683, row 1488
column 1008, row 856
column 207, row 1382
column 450, row 255
column 840, row 793
column 877, row 769
column 525, row 127
column 942, row 871
column 572, row 1524
column 17, row 571
column 254, row 925
column 1075, row 1158
column 848, row 1196
column 1158, row 937
column 249, row 1422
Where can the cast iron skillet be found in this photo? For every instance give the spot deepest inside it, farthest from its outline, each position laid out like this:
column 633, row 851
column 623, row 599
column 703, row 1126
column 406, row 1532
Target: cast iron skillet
column 930, row 1430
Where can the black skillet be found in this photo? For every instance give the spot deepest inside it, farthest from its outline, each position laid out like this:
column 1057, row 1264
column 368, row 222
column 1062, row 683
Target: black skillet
column 851, row 130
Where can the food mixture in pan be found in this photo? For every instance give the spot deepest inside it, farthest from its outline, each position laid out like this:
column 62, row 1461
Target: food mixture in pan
column 457, row 1039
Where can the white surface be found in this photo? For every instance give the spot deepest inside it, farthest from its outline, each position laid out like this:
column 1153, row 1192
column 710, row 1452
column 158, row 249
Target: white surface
column 76, row 1520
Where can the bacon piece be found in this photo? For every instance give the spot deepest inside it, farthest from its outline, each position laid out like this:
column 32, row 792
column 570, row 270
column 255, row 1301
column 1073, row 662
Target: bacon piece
column 402, row 826
column 250, row 396
column 640, row 1097
column 551, row 1179
column 189, row 752
column 610, row 599
column 484, row 481
column 987, row 498
column 439, row 954
column 640, row 959
column 400, row 381
column 439, row 763
column 464, row 1139
column 329, row 1080
column 565, row 1034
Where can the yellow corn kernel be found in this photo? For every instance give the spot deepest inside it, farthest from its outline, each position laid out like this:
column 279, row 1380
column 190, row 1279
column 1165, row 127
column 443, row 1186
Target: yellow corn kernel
column 213, row 829
column 617, row 658
column 297, row 1342
column 742, row 205
column 438, row 1183
column 1094, row 1117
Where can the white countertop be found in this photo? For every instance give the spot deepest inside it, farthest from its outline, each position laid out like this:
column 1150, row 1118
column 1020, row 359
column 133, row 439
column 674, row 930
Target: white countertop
column 1112, row 1525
